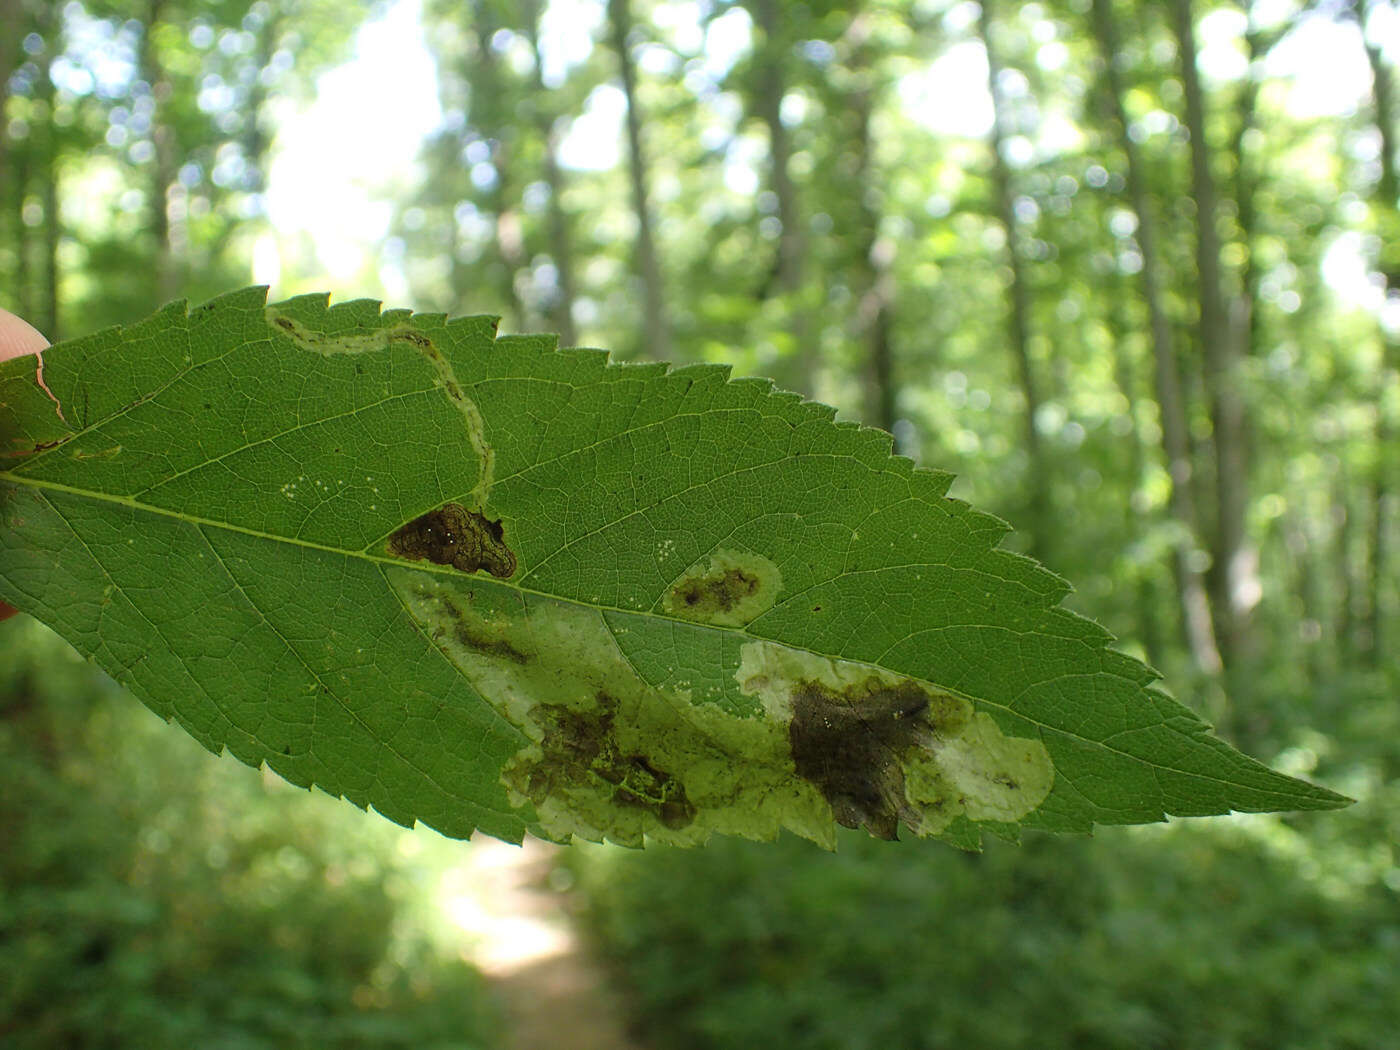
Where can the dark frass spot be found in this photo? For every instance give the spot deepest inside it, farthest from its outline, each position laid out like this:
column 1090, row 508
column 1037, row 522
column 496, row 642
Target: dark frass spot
column 418, row 339
column 851, row 746
column 453, row 535
column 580, row 747
column 477, row 637
column 721, row 593
column 729, row 589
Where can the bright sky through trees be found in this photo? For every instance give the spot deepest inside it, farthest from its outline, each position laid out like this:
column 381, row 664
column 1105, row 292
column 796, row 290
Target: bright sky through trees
column 340, row 161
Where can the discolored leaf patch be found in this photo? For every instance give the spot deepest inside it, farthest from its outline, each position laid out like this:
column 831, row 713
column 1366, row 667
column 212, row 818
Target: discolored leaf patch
column 882, row 749
column 453, row 535
column 729, row 589
column 583, row 745
column 853, row 748
column 608, row 755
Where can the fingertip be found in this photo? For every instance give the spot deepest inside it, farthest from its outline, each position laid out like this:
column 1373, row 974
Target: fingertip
column 18, row 337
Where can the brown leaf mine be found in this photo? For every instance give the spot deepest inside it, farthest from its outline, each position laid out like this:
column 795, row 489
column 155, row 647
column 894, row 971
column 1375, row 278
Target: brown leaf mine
column 730, row 589
column 853, row 747
column 579, row 745
column 453, row 535
column 883, row 748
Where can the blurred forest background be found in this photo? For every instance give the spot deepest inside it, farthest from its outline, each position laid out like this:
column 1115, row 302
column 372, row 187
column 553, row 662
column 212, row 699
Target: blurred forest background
column 1131, row 268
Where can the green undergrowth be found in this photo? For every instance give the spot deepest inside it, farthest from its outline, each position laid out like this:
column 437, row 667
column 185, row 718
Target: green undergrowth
column 151, row 897
column 1240, row 934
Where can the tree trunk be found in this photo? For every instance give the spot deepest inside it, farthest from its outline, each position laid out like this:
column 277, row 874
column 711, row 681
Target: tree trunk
column 165, row 284
column 487, row 97
column 19, row 181
column 48, row 316
column 1244, row 317
column 256, row 139
column 772, row 60
column 1344, row 569
column 872, row 279
column 1038, row 481
column 655, row 327
column 1181, row 503
column 15, row 165
column 1300, row 539
column 11, row 34
column 46, row 319
column 1120, row 326
column 1386, row 202
column 1233, row 579
column 561, row 308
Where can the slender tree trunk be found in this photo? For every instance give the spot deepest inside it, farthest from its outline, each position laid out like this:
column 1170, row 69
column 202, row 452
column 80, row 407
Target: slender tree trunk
column 656, row 329
column 1176, row 444
column 1388, row 187
column 1232, row 577
column 487, row 98
column 561, row 308
column 162, row 174
column 772, row 59
column 1119, row 326
column 47, row 317
column 1244, row 317
column 1300, row 539
column 255, row 138
column 1344, row 569
column 1386, row 202
column 10, row 36
column 1243, row 309
column 872, row 278
column 877, row 314
column 1038, row 479
column 19, row 183
column 14, row 164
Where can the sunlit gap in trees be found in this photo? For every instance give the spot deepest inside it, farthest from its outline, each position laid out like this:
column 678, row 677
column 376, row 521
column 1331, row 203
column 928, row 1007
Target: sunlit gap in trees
column 341, row 161
column 500, row 898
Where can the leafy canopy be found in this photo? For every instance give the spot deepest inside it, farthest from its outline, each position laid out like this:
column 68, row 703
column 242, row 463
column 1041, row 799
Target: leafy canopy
column 481, row 582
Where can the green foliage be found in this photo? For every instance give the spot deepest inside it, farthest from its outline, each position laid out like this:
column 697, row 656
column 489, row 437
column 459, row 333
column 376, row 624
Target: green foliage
column 1214, row 937
column 93, row 222
column 135, row 140
column 150, row 897
column 715, row 610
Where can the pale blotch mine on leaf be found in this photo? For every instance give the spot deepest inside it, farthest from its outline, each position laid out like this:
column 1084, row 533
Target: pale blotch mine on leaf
column 607, row 755
column 884, row 749
column 982, row 773
column 728, row 589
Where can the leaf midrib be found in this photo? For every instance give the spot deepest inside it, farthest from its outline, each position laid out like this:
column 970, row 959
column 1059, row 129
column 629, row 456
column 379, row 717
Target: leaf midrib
column 387, row 560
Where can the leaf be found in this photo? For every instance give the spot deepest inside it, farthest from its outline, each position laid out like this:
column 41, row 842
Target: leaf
column 483, row 583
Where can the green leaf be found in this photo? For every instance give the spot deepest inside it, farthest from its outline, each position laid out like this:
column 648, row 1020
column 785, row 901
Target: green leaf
column 483, row 583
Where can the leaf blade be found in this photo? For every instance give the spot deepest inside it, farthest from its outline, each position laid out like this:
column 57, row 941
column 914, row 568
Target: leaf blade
column 286, row 443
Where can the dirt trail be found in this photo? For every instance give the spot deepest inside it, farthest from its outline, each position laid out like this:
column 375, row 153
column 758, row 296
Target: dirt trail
column 521, row 936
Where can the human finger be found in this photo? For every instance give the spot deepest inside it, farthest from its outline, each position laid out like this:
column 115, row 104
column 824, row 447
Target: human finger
column 17, row 338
